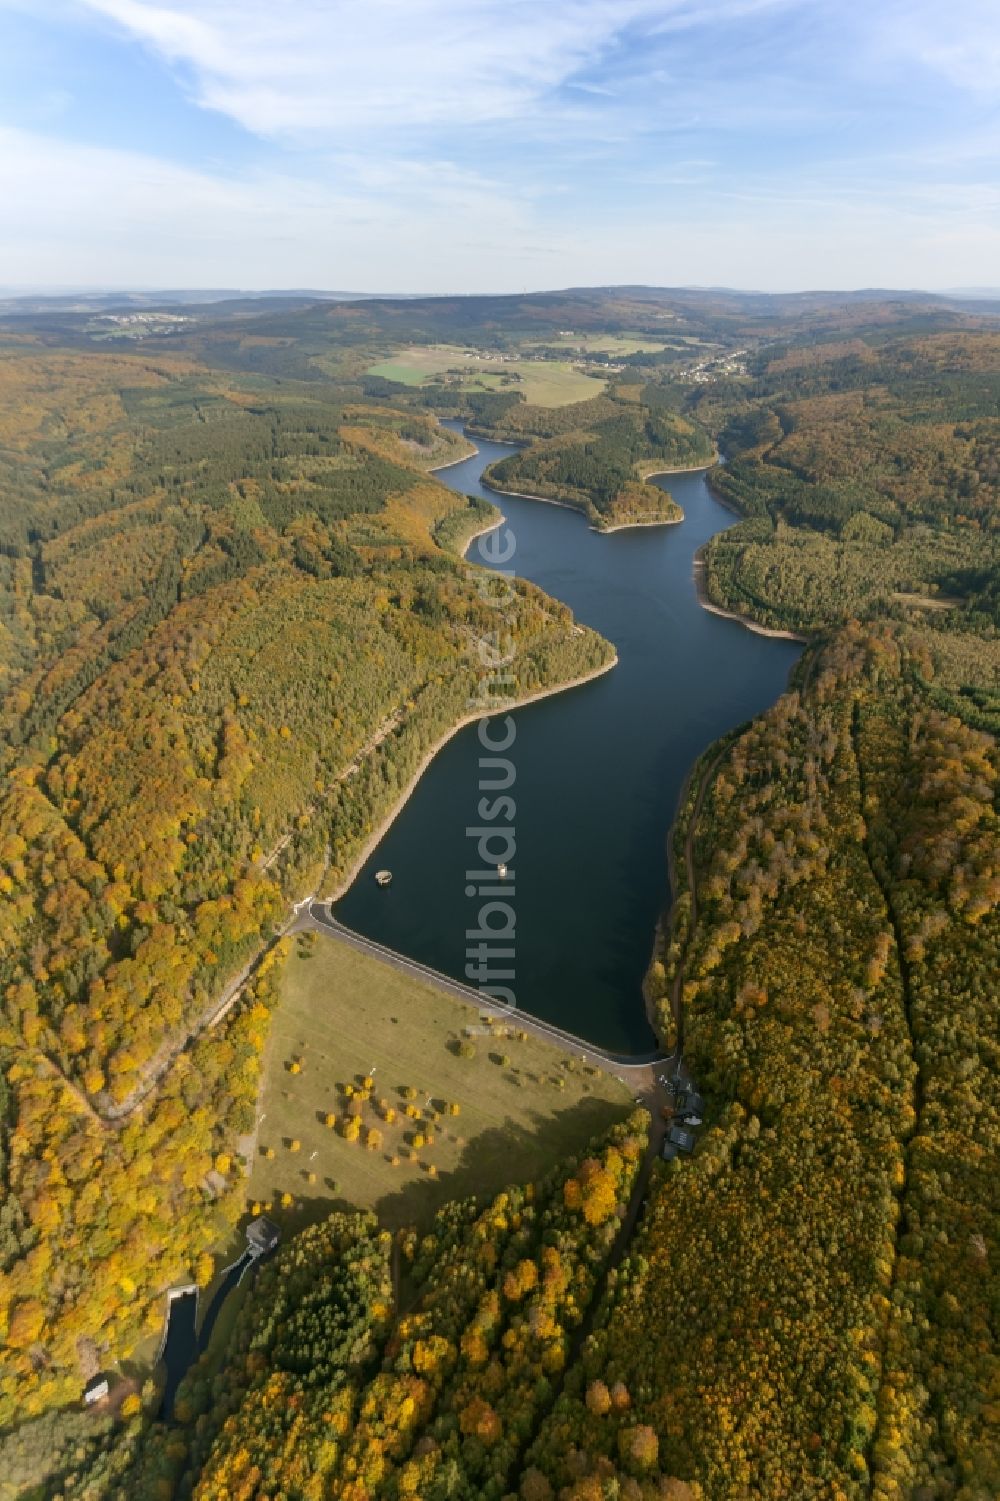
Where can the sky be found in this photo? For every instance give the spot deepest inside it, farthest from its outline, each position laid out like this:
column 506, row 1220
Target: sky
column 499, row 145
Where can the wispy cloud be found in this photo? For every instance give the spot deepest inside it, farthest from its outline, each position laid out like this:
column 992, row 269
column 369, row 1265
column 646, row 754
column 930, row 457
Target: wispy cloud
column 317, row 70
column 327, row 65
column 959, row 41
column 592, row 88
column 135, row 217
column 319, row 67
column 137, row 220
column 365, row 142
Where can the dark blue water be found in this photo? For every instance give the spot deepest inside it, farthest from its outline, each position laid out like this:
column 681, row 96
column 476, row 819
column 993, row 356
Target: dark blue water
column 181, row 1347
column 599, row 769
column 184, row 1341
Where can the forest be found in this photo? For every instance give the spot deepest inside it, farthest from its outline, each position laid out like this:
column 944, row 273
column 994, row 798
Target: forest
column 869, row 472
column 298, row 338
column 823, row 1271
column 592, row 455
column 233, row 619
column 365, row 1365
column 234, row 623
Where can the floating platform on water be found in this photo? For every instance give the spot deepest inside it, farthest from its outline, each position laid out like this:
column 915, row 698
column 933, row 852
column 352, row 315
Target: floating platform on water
column 383, row 877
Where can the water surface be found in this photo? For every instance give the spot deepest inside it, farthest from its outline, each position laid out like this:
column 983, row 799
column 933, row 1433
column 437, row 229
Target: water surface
column 599, row 769
column 185, row 1341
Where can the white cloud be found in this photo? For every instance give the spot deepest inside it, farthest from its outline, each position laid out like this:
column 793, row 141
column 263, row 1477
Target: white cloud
column 89, row 215
column 85, row 216
column 960, row 41
column 608, row 153
column 329, row 65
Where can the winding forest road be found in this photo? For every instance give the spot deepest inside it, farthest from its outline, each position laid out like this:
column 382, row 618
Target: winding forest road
column 677, row 986
column 810, row 659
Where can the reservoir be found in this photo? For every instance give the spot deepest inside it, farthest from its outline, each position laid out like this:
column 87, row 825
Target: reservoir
column 599, row 769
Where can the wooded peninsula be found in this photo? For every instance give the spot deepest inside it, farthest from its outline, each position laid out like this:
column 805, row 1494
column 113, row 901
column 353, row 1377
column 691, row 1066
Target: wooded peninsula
column 234, row 618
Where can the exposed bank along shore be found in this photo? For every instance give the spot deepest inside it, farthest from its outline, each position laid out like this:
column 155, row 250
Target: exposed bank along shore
column 504, row 706
column 622, row 526
column 627, row 526
column 744, row 620
column 699, row 562
column 567, row 505
column 462, row 458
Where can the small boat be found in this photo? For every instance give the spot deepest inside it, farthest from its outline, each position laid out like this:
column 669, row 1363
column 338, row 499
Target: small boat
column 502, row 872
column 383, row 877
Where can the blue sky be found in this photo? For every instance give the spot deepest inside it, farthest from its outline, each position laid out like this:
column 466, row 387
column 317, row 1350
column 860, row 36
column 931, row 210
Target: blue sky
column 493, row 145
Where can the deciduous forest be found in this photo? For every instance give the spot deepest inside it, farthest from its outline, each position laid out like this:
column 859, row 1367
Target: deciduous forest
column 592, row 455
column 822, row 1271
column 233, row 620
column 830, row 1302
column 230, row 633
column 869, row 474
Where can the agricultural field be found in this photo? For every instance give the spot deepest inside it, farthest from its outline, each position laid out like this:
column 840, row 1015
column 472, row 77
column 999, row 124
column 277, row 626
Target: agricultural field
column 543, row 383
column 621, row 344
column 343, row 1017
column 219, row 570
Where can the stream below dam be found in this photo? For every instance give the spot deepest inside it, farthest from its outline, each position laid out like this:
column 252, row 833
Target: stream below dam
column 598, row 773
column 184, row 1341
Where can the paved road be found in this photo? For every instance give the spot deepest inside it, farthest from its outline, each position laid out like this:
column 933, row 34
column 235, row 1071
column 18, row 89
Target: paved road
column 647, row 1076
column 651, row 1077
column 676, row 990
column 641, row 1073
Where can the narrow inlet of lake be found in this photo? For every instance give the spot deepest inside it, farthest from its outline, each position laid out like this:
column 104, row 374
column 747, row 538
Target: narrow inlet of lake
column 599, row 769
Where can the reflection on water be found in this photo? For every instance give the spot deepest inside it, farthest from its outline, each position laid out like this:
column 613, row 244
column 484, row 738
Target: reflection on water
column 599, row 769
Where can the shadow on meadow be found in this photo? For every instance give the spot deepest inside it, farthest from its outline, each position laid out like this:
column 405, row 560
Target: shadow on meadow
column 490, row 1161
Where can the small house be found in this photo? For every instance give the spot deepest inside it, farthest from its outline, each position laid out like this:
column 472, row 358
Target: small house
column 683, row 1140
column 96, row 1390
column 262, row 1236
column 687, row 1101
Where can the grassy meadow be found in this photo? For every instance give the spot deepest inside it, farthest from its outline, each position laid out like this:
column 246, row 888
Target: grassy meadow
column 613, row 344
column 544, row 383
column 343, row 1017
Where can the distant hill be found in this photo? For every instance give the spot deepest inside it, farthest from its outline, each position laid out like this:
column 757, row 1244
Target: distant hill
column 987, row 294
column 305, row 335
column 86, row 300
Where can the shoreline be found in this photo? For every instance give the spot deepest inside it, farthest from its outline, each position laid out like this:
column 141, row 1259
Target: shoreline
column 483, row 531
column 723, row 500
column 477, row 432
column 543, row 500
column 436, row 469
column 568, row 505
column 628, row 526
column 622, row 526
column 491, row 526
column 707, row 604
column 625, row 526
column 684, row 469
column 744, row 620
column 508, row 706
column 663, row 927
